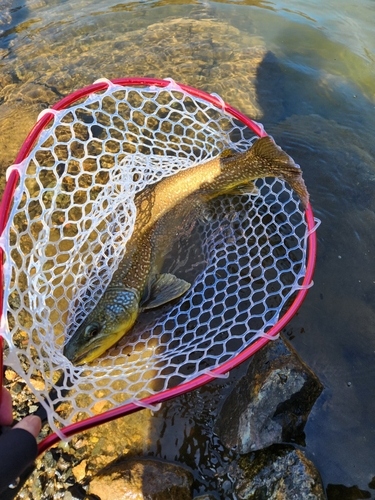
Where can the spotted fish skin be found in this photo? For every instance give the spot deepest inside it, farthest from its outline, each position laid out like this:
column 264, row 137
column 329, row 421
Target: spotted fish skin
column 163, row 209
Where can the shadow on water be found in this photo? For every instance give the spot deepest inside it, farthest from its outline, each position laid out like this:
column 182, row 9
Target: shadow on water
column 336, row 153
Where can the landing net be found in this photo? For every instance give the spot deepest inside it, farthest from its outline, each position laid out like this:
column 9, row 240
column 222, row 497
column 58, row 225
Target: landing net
column 72, row 214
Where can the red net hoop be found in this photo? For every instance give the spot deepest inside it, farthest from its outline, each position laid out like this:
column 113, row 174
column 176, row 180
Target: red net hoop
column 195, row 111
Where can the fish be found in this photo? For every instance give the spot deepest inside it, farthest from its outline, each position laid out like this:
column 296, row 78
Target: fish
column 162, row 209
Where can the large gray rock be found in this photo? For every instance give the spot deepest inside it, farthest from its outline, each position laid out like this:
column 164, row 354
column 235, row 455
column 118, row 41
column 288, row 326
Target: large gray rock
column 271, row 403
column 277, row 473
column 140, row 479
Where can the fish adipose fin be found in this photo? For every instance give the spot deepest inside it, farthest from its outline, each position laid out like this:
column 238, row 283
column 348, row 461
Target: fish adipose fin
column 283, row 166
column 164, row 288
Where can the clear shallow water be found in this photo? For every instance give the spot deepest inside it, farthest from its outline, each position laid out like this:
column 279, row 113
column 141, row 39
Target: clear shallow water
column 307, row 71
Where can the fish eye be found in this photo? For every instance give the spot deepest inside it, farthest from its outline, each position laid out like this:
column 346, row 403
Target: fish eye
column 92, row 330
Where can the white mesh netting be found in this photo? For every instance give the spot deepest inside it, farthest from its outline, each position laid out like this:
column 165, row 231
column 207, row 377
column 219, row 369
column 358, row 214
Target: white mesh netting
column 72, row 215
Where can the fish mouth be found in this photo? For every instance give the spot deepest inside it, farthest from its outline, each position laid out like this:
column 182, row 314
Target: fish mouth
column 82, row 358
column 90, row 353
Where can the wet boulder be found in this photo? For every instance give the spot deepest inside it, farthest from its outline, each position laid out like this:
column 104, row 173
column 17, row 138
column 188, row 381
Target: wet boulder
column 280, row 472
column 271, row 403
column 140, row 479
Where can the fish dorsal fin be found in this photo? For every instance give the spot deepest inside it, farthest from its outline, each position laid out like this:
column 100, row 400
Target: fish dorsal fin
column 163, row 289
column 265, row 147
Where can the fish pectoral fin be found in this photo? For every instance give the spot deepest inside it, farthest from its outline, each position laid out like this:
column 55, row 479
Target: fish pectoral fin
column 164, row 288
column 244, row 188
column 227, row 153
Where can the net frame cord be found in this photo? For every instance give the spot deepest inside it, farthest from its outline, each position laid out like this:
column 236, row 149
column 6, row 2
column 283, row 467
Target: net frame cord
column 201, row 380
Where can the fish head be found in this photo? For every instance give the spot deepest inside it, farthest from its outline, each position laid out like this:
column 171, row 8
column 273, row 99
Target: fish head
column 106, row 324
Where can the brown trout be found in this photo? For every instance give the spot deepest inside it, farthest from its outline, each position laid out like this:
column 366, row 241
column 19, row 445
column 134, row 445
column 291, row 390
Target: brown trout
column 162, row 208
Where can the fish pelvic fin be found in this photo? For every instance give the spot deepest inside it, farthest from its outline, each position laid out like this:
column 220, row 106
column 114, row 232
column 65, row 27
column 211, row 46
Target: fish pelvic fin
column 244, row 188
column 163, row 289
column 280, row 164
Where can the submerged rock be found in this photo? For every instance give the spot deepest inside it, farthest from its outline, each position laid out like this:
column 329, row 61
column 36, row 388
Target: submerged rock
column 206, row 53
column 142, row 479
column 271, row 403
column 277, row 473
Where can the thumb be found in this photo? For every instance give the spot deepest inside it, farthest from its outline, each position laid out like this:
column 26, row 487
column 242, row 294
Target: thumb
column 32, row 424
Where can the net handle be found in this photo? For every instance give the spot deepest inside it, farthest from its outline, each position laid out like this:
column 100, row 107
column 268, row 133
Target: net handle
column 5, row 206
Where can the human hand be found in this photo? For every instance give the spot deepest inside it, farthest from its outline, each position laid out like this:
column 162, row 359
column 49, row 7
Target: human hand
column 18, row 446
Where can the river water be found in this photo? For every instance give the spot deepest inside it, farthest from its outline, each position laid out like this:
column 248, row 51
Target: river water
column 306, row 70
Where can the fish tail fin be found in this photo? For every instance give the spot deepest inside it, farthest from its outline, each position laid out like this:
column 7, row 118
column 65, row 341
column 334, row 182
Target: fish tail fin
column 281, row 165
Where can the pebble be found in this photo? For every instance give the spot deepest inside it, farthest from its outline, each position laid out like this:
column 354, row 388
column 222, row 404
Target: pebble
column 79, row 470
column 10, row 375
